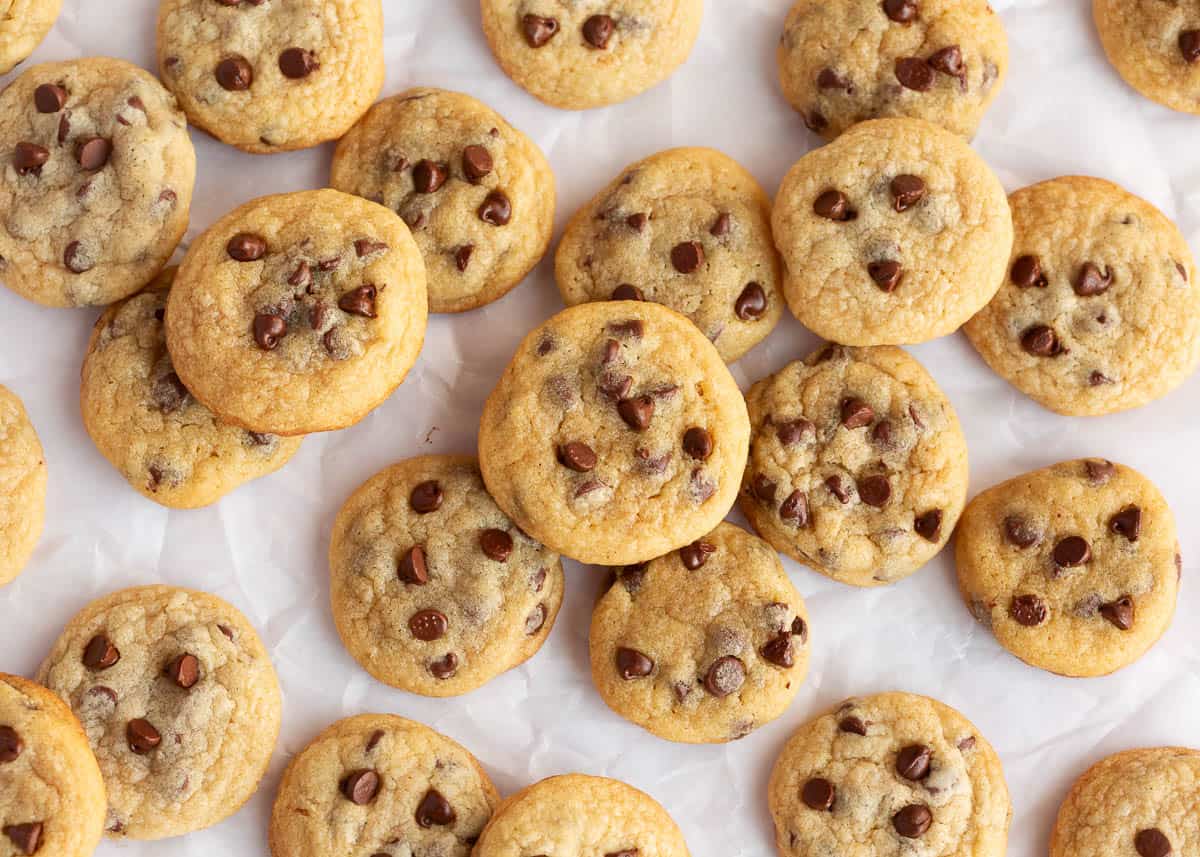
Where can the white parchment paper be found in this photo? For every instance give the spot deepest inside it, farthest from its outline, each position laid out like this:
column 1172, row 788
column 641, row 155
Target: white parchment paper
column 263, row 548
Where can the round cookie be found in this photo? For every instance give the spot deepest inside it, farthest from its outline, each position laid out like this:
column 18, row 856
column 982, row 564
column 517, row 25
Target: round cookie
column 615, row 435
column 22, row 487
column 581, row 55
column 578, row 814
column 23, row 25
column 51, row 793
column 168, row 446
column 894, row 234
column 299, row 312
column 858, row 465
column 179, row 701
column 1100, row 311
column 844, row 61
column 688, row 228
column 703, row 645
column 379, row 784
column 1139, row 803
column 269, row 76
column 477, row 194
column 1155, row 46
column 433, row 589
column 889, row 775
column 1075, row 567
column 96, row 182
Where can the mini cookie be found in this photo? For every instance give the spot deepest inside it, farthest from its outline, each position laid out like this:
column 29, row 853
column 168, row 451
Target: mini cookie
column 688, row 228
column 577, row 814
column 179, row 701
column 167, row 445
column 1155, row 46
column 858, row 466
column 581, row 55
column 96, row 184
column 23, row 25
column 843, row 61
column 1074, row 567
column 269, row 76
column 434, row 590
column 896, row 233
column 299, row 312
column 51, row 793
column 382, row 785
column 1140, row 803
column 22, row 487
column 1100, row 311
column 477, row 194
column 703, row 645
column 616, row 435
column 888, row 775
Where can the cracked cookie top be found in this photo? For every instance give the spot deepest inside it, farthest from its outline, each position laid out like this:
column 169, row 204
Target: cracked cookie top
column 22, row 486
column 1155, row 46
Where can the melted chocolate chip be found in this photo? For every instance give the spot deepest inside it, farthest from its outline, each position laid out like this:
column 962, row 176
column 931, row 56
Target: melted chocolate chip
column 818, row 794
column 428, row 625
column 833, row 205
column 444, row 667
column 907, row 191
column 413, row 568
column 1091, row 281
column 268, row 329
column 1027, row 273
column 1027, row 610
column 751, row 304
column 496, row 210
column 914, row 73
column 1152, row 842
column 1119, row 613
column 141, row 736
column 632, row 664
column 886, row 275
column 929, row 525
column 795, row 509
column 597, row 30
column 100, row 653
column 696, row 554
column 49, row 98
column 297, row 63
column 1127, row 523
column 698, row 443
column 429, row 176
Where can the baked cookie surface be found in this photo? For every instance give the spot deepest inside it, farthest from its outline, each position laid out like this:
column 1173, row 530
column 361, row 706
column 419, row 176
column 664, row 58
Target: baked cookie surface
column 477, row 194
column 380, row 784
column 272, row 75
column 688, row 228
column 96, row 183
column 1075, row 567
column 581, row 55
column 858, row 464
column 887, row 775
column 179, row 702
column 1100, row 309
column 299, row 312
column 1155, row 46
column 23, row 25
column 845, row 61
column 434, row 590
column 22, row 487
column 51, row 793
column 616, row 434
column 703, row 645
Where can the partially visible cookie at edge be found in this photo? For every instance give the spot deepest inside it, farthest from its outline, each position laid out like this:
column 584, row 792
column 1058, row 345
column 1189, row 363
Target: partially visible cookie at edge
column 22, row 487
column 1155, row 47
column 25, row 24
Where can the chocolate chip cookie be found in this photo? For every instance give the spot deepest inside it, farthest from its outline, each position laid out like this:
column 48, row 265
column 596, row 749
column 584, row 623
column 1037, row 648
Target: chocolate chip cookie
column 166, row 444
column 267, row 76
column 858, row 466
column 577, row 814
column 96, row 183
column 179, row 701
column 893, row 234
column 581, row 55
column 1100, row 310
column 703, row 645
column 889, row 775
column 688, row 228
column 379, row 784
column 23, row 25
column 1155, row 46
column 844, row 61
column 434, row 590
column 1140, row 802
column 22, row 487
column 1075, row 567
column 299, row 312
column 51, row 793
column 477, row 194
column 616, row 434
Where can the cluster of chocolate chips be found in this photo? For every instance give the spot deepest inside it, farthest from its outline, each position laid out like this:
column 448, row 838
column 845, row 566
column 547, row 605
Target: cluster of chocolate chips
column 26, row 837
column 1089, row 280
column 235, row 73
column 363, row 786
column 597, row 30
column 428, row 177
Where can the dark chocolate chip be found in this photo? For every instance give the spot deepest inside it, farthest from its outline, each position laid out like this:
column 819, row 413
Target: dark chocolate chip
column 1091, row 281
column 853, row 725
column 434, row 809
column 426, row 497
column 637, row 412
column 698, row 443
column 444, row 667
column 462, row 256
column 694, row 556
column 907, row 191
column 875, row 491
column 886, row 274
column 795, row 431
column 778, row 651
column 297, row 63
column 359, row 301
column 1020, row 532
column 901, row 11
column 833, row 205
column 1189, row 45
column 949, row 61
column 11, row 745
column 913, row 762
column 626, row 292
column 763, row 488
column 914, row 73
column 1027, row 610
column 26, row 837
column 726, row 676
column 269, row 328
column 929, row 525
column 142, row 737
column 795, row 509
column 751, row 304
column 576, row 456
column 246, row 247
column 428, row 176
column 1152, row 842
column 538, row 30
column 1027, row 273
column 855, row 413
column 428, row 625
column 412, row 567
column 597, row 30
column 687, row 257
column 818, row 794
column 722, row 225
column 913, row 821
column 496, row 545
column 1127, row 523
column 184, row 670
column 49, row 98
column 633, row 664
column 1119, row 613
column 496, row 210
column 235, row 74
column 1041, row 341
column 29, row 158
column 360, row 787
column 476, row 163
column 1071, row 552
column 100, row 653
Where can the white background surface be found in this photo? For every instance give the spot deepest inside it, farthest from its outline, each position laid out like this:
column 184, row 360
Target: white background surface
column 1063, row 110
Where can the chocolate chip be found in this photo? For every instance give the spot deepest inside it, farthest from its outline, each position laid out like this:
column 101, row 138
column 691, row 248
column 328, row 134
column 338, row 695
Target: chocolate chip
column 1027, row 273
column 434, row 809
column 29, row 158
column 886, row 274
column 875, row 491
column 296, row 63
column 948, row 61
column 763, row 488
column 301, row 277
column 168, row 393
column 426, row 497
column 907, row 191
column 722, row 225
column 1189, row 45
column 687, row 257
column 1041, row 341
column 694, row 556
column 833, row 205
column 1119, row 612
column 637, row 222
column 1098, row 379
column 914, row 73
column 360, row 787
column 462, row 256
column 49, row 98
column 778, row 651
column 444, row 667
column 1027, row 610
column 827, row 78
column 838, row 489
column 64, row 127
column 629, row 329
column 853, row 725
column 11, row 745
column 496, row 544
column 26, row 837
column 576, row 456
column 1127, row 523
column 637, row 412
column 795, row 431
column 428, row 176
column 795, row 509
column 269, row 328
column 815, row 121
column 1091, row 281
column 1152, row 842
column 901, row 11
column 818, row 794
column 725, row 676
column 428, row 625
column 1021, row 533
column 235, row 74
column 633, row 664
column 626, row 292
column 496, row 210
column 184, row 670
column 912, row 762
column 100, row 653
column 367, row 246
column 1071, row 552
column 856, row 413
column 142, row 736
column 698, row 443
column 476, row 163
column 597, row 30
column 1099, row 471
column 912, row 821
column 882, row 433
column 929, row 525
column 246, row 247
column 413, row 568
column 538, row 30
column 751, row 304
column 359, row 301
column 536, row 620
